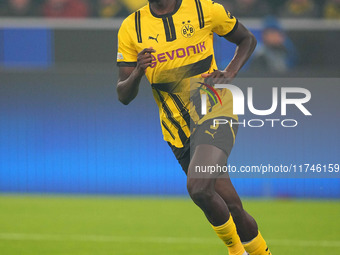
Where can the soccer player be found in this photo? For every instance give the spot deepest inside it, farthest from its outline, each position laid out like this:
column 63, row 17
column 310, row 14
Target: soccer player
column 171, row 42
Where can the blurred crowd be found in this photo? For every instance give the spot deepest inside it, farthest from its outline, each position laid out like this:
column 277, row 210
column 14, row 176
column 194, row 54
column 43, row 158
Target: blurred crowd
column 276, row 53
column 329, row 9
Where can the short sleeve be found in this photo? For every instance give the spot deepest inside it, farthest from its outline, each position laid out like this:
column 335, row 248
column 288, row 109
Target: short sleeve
column 223, row 23
column 127, row 53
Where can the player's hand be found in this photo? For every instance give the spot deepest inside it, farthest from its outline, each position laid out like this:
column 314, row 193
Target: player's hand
column 144, row 60
column 219, row 77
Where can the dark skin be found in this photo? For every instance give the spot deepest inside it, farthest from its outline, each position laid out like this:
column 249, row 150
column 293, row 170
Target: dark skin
column 215, row 196
column 129, row 77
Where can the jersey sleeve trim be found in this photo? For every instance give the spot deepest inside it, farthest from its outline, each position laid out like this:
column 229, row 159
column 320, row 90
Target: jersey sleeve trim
column 232, row 31
column 127, row 64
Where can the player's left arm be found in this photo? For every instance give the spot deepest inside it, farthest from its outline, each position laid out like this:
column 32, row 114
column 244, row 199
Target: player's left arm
column 246, row 43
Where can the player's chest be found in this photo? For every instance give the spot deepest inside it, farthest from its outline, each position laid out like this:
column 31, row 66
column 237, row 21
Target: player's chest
column 170, row 32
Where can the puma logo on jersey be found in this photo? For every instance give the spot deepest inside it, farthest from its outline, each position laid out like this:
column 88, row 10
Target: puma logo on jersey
column 212, row 134
column 153, row 38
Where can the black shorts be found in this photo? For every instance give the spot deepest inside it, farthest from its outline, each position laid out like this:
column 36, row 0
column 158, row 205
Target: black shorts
column 221, row 136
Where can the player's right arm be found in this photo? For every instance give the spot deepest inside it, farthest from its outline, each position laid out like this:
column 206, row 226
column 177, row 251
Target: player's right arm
column 132, row 63
column 130, row 77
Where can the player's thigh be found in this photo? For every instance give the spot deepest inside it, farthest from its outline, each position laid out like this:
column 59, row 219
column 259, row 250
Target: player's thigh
column 205, row 158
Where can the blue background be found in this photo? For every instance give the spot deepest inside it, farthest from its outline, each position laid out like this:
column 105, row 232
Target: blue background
column 26, row 47
column 67, row 133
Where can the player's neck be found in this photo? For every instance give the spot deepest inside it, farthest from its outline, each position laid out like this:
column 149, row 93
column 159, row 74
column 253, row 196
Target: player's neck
column 161, row 7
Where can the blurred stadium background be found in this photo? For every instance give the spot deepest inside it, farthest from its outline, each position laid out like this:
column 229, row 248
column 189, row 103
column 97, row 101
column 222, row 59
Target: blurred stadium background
column 63, row 131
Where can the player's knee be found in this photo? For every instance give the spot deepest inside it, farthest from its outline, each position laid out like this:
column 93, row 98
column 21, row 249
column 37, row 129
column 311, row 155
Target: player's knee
column 200, row 191
column 236, row 209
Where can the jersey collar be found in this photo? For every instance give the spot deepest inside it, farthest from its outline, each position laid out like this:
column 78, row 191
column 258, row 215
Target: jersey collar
column 178, row 5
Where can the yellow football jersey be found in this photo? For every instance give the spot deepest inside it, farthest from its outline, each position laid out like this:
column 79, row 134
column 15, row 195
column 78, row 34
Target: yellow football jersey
column 183, row 41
